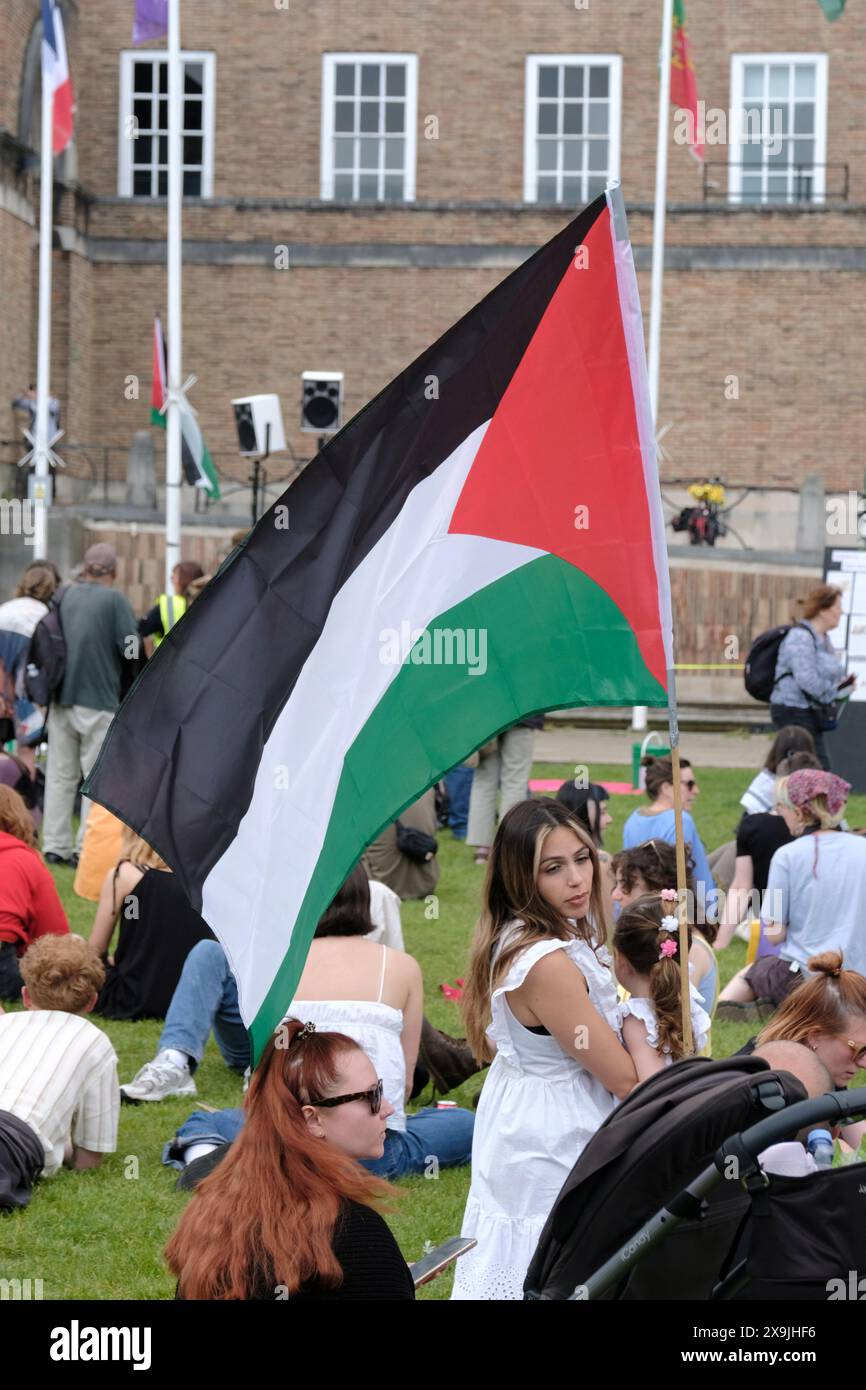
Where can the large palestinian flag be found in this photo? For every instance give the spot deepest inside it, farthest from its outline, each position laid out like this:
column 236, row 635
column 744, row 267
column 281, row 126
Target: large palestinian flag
column 483, row 541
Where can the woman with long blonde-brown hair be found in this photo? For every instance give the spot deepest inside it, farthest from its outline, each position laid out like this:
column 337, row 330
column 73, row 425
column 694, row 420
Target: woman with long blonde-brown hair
column 809, row 676
column 541, row 994
column 30, row 905
column 290, row 1212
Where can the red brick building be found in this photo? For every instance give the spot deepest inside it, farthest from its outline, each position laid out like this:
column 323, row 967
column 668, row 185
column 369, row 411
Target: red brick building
column 359, row 174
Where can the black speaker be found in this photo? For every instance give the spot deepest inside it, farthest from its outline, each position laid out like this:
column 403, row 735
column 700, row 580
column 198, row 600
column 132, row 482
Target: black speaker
column 321, row 402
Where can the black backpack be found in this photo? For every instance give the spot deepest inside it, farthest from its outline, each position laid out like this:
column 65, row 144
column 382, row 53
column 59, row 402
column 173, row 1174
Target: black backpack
column 760, row 669
column 45, row 665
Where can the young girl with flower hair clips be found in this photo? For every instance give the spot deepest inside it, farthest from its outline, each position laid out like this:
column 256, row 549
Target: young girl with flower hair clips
column 646, row 954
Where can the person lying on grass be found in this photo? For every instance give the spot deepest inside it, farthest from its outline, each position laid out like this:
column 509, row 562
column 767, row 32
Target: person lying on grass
column 59, row 1094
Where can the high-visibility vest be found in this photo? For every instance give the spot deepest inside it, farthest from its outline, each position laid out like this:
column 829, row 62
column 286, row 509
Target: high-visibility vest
column 171, row 607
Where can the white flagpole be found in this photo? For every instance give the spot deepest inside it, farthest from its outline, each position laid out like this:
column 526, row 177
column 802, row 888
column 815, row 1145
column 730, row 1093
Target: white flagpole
column 639, row 713
column 173, row 468
column 41, row 449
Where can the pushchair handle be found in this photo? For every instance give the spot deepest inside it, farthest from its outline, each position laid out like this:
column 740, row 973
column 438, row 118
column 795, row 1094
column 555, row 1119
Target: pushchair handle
column 836, row 1106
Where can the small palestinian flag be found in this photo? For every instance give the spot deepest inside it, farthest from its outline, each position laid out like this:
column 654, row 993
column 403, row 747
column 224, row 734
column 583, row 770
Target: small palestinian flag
column 198, row 466
column 684, row 87
column 484, row 541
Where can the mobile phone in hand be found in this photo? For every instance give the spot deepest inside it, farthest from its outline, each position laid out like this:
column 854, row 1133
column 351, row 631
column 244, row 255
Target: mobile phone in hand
column 439, row 1259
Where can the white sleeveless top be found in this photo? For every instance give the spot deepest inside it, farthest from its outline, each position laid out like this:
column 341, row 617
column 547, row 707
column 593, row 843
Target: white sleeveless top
column 645, row 1011
column 538, row 1110
column 374, row 1026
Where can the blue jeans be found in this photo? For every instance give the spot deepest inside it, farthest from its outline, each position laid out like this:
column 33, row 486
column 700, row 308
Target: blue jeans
column 206, row 998
column 459, row 784
column 433, row 1139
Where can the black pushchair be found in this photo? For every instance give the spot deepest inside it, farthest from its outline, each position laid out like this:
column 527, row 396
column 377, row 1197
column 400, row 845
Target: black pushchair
column 668, row 1200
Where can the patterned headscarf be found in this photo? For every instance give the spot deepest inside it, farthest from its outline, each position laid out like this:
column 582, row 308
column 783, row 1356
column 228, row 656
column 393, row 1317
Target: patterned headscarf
column 809, row 782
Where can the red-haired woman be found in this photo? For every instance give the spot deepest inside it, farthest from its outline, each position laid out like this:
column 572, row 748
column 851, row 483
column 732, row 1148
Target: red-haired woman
column 290, row 1212
column 29, row 903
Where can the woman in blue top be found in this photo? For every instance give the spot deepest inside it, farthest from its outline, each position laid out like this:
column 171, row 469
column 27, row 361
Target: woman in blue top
column 656, row 822
column 808, row 671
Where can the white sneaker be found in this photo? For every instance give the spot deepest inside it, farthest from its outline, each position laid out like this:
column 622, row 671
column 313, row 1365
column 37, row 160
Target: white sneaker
column 158, row 1080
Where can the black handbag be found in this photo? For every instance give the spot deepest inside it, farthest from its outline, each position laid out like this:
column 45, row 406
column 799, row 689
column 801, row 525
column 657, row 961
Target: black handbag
column 417, row 845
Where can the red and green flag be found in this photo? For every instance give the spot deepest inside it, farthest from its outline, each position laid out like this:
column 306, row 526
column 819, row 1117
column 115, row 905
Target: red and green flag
column 684, row 86
column 484, row 541
column 198, row 467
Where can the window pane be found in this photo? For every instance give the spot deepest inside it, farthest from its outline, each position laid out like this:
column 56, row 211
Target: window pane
column 369, row 154
column 141, row 149
column 344, row 80
column 594, row 187
column 141, row 183
column 192, row 183
column 751, row 154
column 192, row 149
column 574, row 82
column 141, row 114
column 547, row 190
column 162, row 185
column 547, row 154
column 370, row 80
column 803, row 152
column 344, row 115
column 395, row 117
column 804, row 80
column 598, row 118
column 192, row 114
column 598, row 82
column 751, row 188
column 343, row 187
column 598, row 155
column 368, row 186
column 572, row 154
column 344, row 154
column 778, row 153
column 777, row 188
column 779, row 75
column 753, row 80
column 163, row 150
column 394, row 188
column 142, row 77
column 572, row 118
column 163, row 76
column 571, row 192
column 394, row 155
column 162, row 114
column 548, row 81
column 193, row 78
column 395, row 80
column 803, row 188
column 804, row 118
column 547, row 118
column 369, row 115
column 777, row 122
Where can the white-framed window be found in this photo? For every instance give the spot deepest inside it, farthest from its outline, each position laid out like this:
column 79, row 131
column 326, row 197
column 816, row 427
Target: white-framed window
column 778, row 137
column 571, row 127
column 369, row 118
column 143, row 138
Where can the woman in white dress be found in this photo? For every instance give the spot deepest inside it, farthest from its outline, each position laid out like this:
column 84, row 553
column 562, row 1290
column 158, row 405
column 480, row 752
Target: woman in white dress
column 540, row 978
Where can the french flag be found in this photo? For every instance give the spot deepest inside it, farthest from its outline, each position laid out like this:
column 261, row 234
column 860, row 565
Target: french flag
column 55, row 74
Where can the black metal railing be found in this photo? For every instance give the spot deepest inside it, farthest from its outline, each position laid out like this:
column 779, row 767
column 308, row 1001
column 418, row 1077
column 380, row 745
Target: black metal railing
column 770, row 183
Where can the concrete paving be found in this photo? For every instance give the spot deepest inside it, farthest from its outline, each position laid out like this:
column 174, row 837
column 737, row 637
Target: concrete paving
column 575, row 745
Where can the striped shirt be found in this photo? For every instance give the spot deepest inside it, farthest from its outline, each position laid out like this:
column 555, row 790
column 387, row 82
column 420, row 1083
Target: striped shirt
column 58, row 1074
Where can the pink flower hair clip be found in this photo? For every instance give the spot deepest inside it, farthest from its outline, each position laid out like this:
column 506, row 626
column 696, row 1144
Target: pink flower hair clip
column 668, row 949
column 668, row 895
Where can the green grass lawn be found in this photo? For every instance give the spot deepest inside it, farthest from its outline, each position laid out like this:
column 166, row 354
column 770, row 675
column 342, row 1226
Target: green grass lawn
column 100, row 1234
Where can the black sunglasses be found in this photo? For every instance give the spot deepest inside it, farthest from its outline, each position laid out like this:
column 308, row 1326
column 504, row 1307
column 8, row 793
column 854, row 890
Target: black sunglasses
column 690, row 784
column 373, row 1097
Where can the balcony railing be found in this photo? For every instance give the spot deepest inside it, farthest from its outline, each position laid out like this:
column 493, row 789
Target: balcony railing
column 776, row 184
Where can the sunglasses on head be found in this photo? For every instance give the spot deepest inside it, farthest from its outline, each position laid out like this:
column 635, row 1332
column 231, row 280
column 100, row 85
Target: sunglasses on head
column 373, row 1097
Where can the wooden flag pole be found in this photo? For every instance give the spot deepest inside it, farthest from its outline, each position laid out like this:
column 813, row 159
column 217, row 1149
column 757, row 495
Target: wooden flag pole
column 681, row 893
